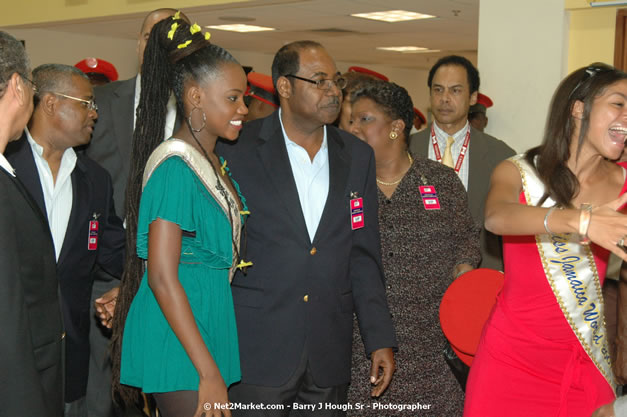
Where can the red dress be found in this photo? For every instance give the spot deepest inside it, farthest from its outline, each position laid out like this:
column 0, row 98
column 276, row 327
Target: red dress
column 529, row 362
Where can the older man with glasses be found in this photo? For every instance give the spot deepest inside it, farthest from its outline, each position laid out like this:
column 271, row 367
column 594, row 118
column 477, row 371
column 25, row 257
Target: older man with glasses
column 313, row 238
column 32, row 331
column 76, row 195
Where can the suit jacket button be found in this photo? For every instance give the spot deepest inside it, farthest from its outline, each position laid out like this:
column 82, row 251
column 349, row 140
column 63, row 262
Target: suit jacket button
column 62, row 335
column 306, row 298
column 313, row 251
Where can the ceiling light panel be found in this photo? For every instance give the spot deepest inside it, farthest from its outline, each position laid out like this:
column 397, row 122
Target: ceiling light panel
column 402, row 48
column 392, row 16
column 240, row 28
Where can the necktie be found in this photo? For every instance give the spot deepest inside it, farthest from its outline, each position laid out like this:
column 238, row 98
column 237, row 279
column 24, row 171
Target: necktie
column 448, row 155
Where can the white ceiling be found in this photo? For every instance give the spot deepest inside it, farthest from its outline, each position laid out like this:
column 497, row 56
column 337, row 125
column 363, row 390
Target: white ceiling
column 348, row 39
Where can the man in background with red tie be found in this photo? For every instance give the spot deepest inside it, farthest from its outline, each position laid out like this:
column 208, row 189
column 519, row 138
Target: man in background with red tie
column 454, row 85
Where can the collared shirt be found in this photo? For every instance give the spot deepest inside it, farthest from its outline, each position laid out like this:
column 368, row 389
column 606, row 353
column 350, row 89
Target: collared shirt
column 4, row 163
column 311, row 178
column 441, row 136
column 170, row 117
column 57, row 194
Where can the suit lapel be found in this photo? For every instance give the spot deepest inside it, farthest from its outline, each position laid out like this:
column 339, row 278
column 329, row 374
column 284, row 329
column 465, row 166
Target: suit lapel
column 423, row 150
column 29, row 199
column 273, row 154
column 478, row 154
column 339, row 167
column 81, row 195
column 20, row 154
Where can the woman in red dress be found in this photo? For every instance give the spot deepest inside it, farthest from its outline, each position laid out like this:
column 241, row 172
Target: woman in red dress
column 543, row 351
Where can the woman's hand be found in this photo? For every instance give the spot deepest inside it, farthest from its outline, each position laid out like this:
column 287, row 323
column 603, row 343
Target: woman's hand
column 608, row 226
column 213, row 400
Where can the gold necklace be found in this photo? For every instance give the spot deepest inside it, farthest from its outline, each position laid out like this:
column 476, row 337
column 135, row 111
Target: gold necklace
column 411, row 161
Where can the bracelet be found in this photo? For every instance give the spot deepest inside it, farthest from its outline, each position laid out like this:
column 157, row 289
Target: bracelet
column 546, row 220
column 584, row 223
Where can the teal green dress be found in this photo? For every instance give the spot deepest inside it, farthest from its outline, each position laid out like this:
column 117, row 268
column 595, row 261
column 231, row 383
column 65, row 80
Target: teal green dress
column 152, row 356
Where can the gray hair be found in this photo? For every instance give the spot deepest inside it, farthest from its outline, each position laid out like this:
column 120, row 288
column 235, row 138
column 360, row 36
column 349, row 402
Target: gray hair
column 13, row 60
column 55, row 77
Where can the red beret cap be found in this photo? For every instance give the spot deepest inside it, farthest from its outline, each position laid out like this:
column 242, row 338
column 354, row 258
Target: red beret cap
column 98, row 66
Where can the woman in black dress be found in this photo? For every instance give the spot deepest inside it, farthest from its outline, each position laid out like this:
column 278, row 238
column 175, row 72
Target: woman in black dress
column 428, row 239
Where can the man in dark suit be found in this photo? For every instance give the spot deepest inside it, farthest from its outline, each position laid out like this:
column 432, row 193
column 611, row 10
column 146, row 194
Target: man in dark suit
column 31, row 370
column 454, row 84
column 76, row 195
column 314, row 261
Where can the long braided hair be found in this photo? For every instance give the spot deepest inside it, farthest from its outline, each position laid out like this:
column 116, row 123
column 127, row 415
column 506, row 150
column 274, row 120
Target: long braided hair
column 167, row 65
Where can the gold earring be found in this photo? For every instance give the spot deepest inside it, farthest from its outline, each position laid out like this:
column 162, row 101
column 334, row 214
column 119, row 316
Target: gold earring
column 393, row 135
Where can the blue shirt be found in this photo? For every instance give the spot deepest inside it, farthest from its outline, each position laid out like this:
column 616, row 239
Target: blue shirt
column 311, row 178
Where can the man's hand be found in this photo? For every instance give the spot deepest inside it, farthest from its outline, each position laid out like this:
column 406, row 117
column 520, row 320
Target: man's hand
column 382, row 369
column 105, row 306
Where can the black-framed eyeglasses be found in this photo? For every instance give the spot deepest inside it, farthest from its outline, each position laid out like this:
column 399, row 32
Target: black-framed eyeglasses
column 323, row 84
column 89, row 104
column 590, row 72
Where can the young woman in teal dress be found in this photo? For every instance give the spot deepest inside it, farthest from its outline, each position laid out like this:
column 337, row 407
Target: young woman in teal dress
column 174, row 329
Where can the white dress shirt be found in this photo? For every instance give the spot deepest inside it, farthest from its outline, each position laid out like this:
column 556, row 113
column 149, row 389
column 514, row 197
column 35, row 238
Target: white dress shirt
column 170, row 117
column 311, row 178
column 4, row 163
column 57, row 194
column 459, row 136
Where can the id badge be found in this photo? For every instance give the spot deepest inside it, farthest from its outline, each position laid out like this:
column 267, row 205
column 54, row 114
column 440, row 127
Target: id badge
column 429, row 197
column 357, row 213
column 92, row 239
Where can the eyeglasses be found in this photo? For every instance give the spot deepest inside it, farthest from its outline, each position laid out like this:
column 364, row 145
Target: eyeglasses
column 590, row 72
column 325, row 83
column 34, row 86
column 89, row 104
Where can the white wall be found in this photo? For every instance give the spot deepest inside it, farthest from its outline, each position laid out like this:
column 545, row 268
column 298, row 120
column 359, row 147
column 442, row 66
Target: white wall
column 522, row 57
column 47, row 46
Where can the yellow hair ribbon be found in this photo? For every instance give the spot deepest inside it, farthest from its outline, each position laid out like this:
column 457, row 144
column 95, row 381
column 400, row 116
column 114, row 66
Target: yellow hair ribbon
column 172, row 30
column 207, row 36
column 223, row 168
column 194, row 28
column 244, row 212
column 177, row 15
column 184, row 45
column 243, row 264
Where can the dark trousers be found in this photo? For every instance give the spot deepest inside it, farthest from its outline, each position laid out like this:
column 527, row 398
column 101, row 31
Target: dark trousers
column 298, row 397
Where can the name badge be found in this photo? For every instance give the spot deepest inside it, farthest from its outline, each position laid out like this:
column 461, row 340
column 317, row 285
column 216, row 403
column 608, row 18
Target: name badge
column 429, row 197
column 92, row 239
column 357, row 213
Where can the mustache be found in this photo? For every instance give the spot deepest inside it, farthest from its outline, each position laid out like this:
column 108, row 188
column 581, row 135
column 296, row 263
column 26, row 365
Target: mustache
column 334, row 101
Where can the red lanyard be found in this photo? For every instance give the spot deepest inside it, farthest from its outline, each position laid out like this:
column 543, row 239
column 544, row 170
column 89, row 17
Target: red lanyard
column 462, row 152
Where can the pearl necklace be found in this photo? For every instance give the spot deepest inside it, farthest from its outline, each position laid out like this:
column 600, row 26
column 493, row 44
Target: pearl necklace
column 381, row 182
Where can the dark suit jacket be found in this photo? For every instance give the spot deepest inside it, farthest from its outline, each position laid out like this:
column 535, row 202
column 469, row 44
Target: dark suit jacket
column 31, row 374
column 92, row 194
column 300, row 295
column 110, row 144
column 486, row 152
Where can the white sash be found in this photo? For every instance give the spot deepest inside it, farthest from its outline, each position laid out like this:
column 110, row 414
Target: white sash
column 572, row 274
column 202, row 169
